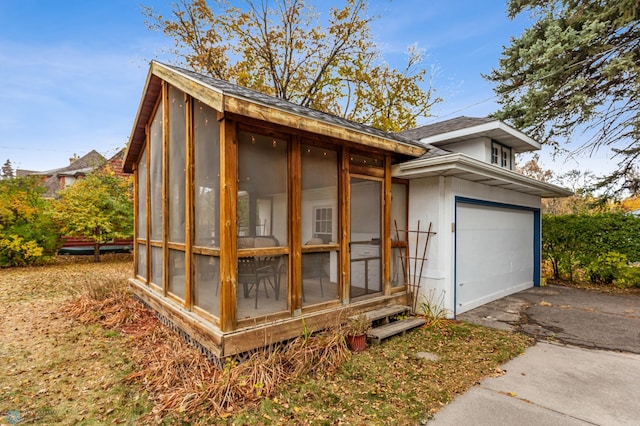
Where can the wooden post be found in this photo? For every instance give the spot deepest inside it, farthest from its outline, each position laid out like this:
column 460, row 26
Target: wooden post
column 148, row 206
column 386, row 227
column 188, row 201
column 136, row 219
column 228, row 222
column 165, row 187
column 344, row 204
column 295, row 222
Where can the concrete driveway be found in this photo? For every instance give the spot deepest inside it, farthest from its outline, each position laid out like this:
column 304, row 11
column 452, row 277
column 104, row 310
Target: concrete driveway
column 584, row 370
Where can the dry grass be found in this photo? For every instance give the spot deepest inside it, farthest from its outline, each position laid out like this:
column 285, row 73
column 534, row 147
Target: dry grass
column 161, row 379
column 184, row 384
column 602, row 288
column 181, row 382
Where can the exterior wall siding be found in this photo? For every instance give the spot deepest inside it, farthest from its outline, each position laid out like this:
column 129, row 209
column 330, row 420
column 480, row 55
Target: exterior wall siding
column 432, row 199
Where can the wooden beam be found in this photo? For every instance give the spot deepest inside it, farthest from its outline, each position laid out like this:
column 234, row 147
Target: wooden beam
column 295, row 226
column 386, row 227
column 196, row 328
column 208, row 95
column 188, row 200
column 145, row 111
column 136, row 220
column 176, row 246
column 257, row 336
column 148, row 201
column 228, row 223
column 208, row 251
column 165, row 187
column 289, row 119
column 278, row 130
column 344, row 205
column 367, row 171
column 266, row 251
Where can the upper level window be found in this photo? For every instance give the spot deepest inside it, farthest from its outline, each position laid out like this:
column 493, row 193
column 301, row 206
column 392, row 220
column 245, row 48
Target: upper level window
column 495, row 150
column 500, row 155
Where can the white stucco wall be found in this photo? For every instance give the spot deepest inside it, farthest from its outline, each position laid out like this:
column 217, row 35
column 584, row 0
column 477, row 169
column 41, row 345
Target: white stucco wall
column 432, row 199
column 479, row 148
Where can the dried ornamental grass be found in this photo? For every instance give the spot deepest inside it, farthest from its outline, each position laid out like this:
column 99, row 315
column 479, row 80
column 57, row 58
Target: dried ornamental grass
column 180, row 379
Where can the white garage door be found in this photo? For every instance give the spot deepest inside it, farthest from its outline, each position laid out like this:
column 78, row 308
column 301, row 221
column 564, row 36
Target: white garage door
column 494, row 253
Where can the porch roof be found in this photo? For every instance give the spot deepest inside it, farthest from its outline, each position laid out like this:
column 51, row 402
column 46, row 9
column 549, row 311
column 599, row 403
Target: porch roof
column 227, row 97
column 468, row 168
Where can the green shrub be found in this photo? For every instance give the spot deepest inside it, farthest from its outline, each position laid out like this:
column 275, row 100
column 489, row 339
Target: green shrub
column 607, row 267
column 576, row 242
column 629, row 277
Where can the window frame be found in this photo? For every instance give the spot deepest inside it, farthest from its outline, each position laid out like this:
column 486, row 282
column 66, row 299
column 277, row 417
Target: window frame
column 501, row 155
column 327, row 220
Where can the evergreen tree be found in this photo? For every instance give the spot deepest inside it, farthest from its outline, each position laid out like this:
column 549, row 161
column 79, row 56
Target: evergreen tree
column 7, row 170
column 576, row 69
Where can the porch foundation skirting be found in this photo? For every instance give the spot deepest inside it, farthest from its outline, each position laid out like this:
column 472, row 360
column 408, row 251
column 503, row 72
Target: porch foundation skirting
column 217, row 344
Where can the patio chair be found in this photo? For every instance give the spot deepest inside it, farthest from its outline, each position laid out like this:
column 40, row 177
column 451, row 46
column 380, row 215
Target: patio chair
column 313, row 267
column 253, row 271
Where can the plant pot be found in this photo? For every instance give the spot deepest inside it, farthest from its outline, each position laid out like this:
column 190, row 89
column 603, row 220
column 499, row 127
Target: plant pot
column 357, row 343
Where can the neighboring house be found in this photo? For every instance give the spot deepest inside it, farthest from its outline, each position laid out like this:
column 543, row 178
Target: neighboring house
column 56, row 180
column 256, row 218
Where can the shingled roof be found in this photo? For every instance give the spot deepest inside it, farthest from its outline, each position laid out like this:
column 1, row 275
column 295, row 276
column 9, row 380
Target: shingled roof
column 228, row 97
column 79, row 166
column 272, row 101
column 464, row 128
column 445, row 126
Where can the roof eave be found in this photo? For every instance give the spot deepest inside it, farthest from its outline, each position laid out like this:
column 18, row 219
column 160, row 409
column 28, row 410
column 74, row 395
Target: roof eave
column 237, row 104
column 468, row 168
column 138, row 131
column 495, row 129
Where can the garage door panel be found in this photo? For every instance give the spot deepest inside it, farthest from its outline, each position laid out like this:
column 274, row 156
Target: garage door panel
column 494, row 253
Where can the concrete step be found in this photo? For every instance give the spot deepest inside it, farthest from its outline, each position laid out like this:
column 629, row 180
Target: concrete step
column 394, row 328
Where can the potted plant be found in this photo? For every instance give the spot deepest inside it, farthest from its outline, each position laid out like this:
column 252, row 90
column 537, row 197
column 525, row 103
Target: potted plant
column 357, row 332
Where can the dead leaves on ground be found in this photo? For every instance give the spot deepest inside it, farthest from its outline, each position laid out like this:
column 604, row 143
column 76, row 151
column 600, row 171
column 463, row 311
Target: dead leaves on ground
column 312, row 380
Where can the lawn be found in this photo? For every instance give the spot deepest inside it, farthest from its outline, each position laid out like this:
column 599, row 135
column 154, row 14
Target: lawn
column 76, row 349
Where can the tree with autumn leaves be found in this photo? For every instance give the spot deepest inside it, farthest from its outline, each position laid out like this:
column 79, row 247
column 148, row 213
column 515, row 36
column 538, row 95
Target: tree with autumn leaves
column 28, row 233
column 98, row 207
column 285, row 52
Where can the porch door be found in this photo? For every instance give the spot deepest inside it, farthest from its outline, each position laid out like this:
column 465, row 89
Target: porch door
column 365, row 248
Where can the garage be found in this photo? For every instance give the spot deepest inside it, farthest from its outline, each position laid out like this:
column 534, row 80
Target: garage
column 496, row 251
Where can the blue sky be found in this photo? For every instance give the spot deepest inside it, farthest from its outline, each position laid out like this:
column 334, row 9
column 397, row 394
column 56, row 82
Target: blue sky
column 72, row 71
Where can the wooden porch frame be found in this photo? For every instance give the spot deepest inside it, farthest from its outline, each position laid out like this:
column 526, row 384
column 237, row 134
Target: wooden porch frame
column 231, row 328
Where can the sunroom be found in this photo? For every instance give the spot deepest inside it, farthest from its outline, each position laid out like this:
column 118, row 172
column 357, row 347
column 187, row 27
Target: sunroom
column 257, row 218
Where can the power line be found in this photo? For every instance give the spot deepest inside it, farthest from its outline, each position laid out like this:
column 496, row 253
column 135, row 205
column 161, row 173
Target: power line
column 544, row 77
